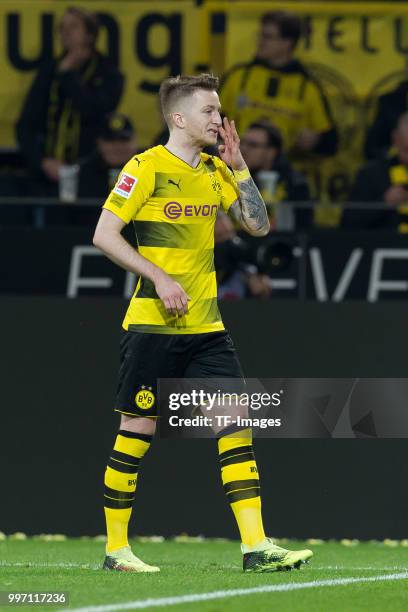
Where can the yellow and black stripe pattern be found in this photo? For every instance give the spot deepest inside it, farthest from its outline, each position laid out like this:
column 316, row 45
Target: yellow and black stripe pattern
column 120, row 485
column 240, row 478
column 173, row 207
column 239, row 471
column 288, row 97
column 64, row 121
column 122, row 469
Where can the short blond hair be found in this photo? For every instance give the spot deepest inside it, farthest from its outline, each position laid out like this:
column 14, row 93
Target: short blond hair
column 174, row 89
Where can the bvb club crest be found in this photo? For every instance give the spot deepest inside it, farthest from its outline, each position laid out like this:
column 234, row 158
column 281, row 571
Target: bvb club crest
column 144, row 398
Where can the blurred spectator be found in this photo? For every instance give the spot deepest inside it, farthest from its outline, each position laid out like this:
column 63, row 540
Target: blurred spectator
column 277, row 88
column 116, row 144
column 384, row 180
column 390, row 107
column 162, row 138
column 237, row 277
column 67, row 102
column 261, row 146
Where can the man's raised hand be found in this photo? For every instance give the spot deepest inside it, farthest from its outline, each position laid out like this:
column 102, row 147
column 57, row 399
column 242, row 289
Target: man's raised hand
column 229, row 151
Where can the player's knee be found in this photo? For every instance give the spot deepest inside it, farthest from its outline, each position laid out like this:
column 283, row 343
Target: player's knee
column 138, row 424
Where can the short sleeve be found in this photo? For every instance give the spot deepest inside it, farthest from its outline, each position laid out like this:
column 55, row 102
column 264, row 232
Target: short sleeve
column 230, row 191
column 133, row 188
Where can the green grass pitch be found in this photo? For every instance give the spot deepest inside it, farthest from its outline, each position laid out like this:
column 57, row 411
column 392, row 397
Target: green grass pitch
column 201, row 568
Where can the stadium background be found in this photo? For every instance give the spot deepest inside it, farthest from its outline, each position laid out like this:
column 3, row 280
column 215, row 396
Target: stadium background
column 59, row 355
column 357, row 50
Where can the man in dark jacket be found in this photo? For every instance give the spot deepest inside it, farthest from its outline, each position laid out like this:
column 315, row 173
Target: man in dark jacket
column 384, row 180
column 67, row 102
column 116, row 144
column 390, row 107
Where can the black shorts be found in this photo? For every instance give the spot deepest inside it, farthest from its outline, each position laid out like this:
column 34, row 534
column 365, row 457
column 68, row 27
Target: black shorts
column 145, row 358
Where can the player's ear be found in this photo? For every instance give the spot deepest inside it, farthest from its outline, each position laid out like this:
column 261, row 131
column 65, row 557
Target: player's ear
column 178, row 120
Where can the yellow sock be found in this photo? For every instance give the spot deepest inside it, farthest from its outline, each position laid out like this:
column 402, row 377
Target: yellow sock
column 240, row 478
column 120, row 485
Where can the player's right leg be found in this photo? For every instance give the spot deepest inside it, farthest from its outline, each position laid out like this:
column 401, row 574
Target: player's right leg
column 131, row 444
column 144, row 359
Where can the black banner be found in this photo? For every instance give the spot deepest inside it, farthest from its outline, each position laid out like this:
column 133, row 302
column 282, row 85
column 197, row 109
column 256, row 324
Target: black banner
column 322, row 266
column 59, row 377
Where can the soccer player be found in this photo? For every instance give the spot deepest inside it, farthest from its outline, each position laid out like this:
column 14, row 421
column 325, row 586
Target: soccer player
column 173, row 326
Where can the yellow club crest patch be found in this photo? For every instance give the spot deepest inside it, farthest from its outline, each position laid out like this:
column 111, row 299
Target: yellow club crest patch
column 144, row 398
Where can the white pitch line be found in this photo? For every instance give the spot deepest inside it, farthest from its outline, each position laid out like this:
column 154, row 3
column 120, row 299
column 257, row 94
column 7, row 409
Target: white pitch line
column 337, row 568
column 196, row 597
column 344, row 568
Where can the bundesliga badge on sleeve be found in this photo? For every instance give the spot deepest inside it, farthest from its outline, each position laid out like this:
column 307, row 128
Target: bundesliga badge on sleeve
column 125, row 185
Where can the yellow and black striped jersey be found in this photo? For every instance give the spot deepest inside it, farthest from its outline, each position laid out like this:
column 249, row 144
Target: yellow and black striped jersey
column 173, row 208
column 287, row 97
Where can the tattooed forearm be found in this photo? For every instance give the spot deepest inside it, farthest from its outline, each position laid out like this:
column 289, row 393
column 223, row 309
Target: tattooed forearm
column 250, row 210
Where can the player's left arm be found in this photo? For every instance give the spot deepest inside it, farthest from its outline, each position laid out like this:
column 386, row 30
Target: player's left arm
column 249, row 209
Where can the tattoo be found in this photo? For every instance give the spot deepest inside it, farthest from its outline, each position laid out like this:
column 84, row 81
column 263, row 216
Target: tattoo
column 249, row 210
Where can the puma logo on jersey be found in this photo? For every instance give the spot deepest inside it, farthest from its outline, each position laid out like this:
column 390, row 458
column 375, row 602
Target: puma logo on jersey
column 171, row 182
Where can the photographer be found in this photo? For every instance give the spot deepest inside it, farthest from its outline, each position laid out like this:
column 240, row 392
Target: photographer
column 237, row 276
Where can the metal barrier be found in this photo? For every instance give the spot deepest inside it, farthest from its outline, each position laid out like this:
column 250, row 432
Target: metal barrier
column 285, row 211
